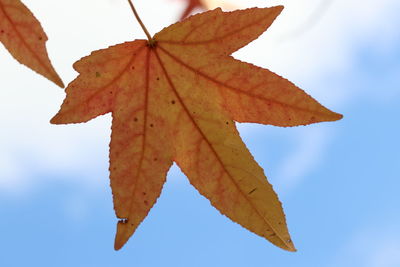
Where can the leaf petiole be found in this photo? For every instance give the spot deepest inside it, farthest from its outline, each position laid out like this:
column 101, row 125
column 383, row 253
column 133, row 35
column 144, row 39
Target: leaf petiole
column 151, row 40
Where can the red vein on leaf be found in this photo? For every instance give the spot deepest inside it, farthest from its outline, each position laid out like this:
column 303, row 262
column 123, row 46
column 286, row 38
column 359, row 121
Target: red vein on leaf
column 143, row 150
column 159, row 45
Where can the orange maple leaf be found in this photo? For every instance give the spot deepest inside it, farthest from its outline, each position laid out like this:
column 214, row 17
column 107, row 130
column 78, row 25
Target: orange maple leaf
column 23, row 36
column 176, row 99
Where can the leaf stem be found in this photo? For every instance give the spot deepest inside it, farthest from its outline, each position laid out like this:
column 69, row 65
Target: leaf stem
column 151, row 40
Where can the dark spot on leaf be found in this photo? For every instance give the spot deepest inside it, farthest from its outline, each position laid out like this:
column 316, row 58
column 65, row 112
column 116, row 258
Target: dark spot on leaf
column 173, row 102
column 135, row 119
column 155, row 159
column 40, row 38
column 133, row 67
column 252, row 191
column 158, row 78
column 151, row 125
column 144, row 193
column 227, row 123
column 98, row 74
column 146, row 202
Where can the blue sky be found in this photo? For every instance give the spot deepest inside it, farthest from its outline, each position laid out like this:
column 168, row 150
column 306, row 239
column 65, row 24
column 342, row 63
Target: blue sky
column 338, row 181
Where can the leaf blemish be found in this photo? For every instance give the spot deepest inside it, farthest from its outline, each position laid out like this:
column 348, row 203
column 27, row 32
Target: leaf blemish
column 98, row 74
column 123, row 220
column 252, row 191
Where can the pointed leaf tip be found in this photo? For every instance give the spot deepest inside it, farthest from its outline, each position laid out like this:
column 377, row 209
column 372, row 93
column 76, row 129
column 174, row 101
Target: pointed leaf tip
column 338, row 116
column 124, row 232
column 57, row 119
column 290, row 246
column 54, row 119
column 279, row 7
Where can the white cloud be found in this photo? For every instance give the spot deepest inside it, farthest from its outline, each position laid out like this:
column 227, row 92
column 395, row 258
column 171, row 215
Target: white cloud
column 12, row 174
column 305, row 157
column 376, row 246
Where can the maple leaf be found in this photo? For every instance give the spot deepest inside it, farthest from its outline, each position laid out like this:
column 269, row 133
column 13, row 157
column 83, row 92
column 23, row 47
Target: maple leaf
column 191, row 6
column 23, row 36
column 176, row 99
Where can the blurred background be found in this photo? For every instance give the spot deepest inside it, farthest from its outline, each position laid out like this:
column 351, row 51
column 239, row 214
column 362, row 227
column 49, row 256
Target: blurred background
column 339, row 182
